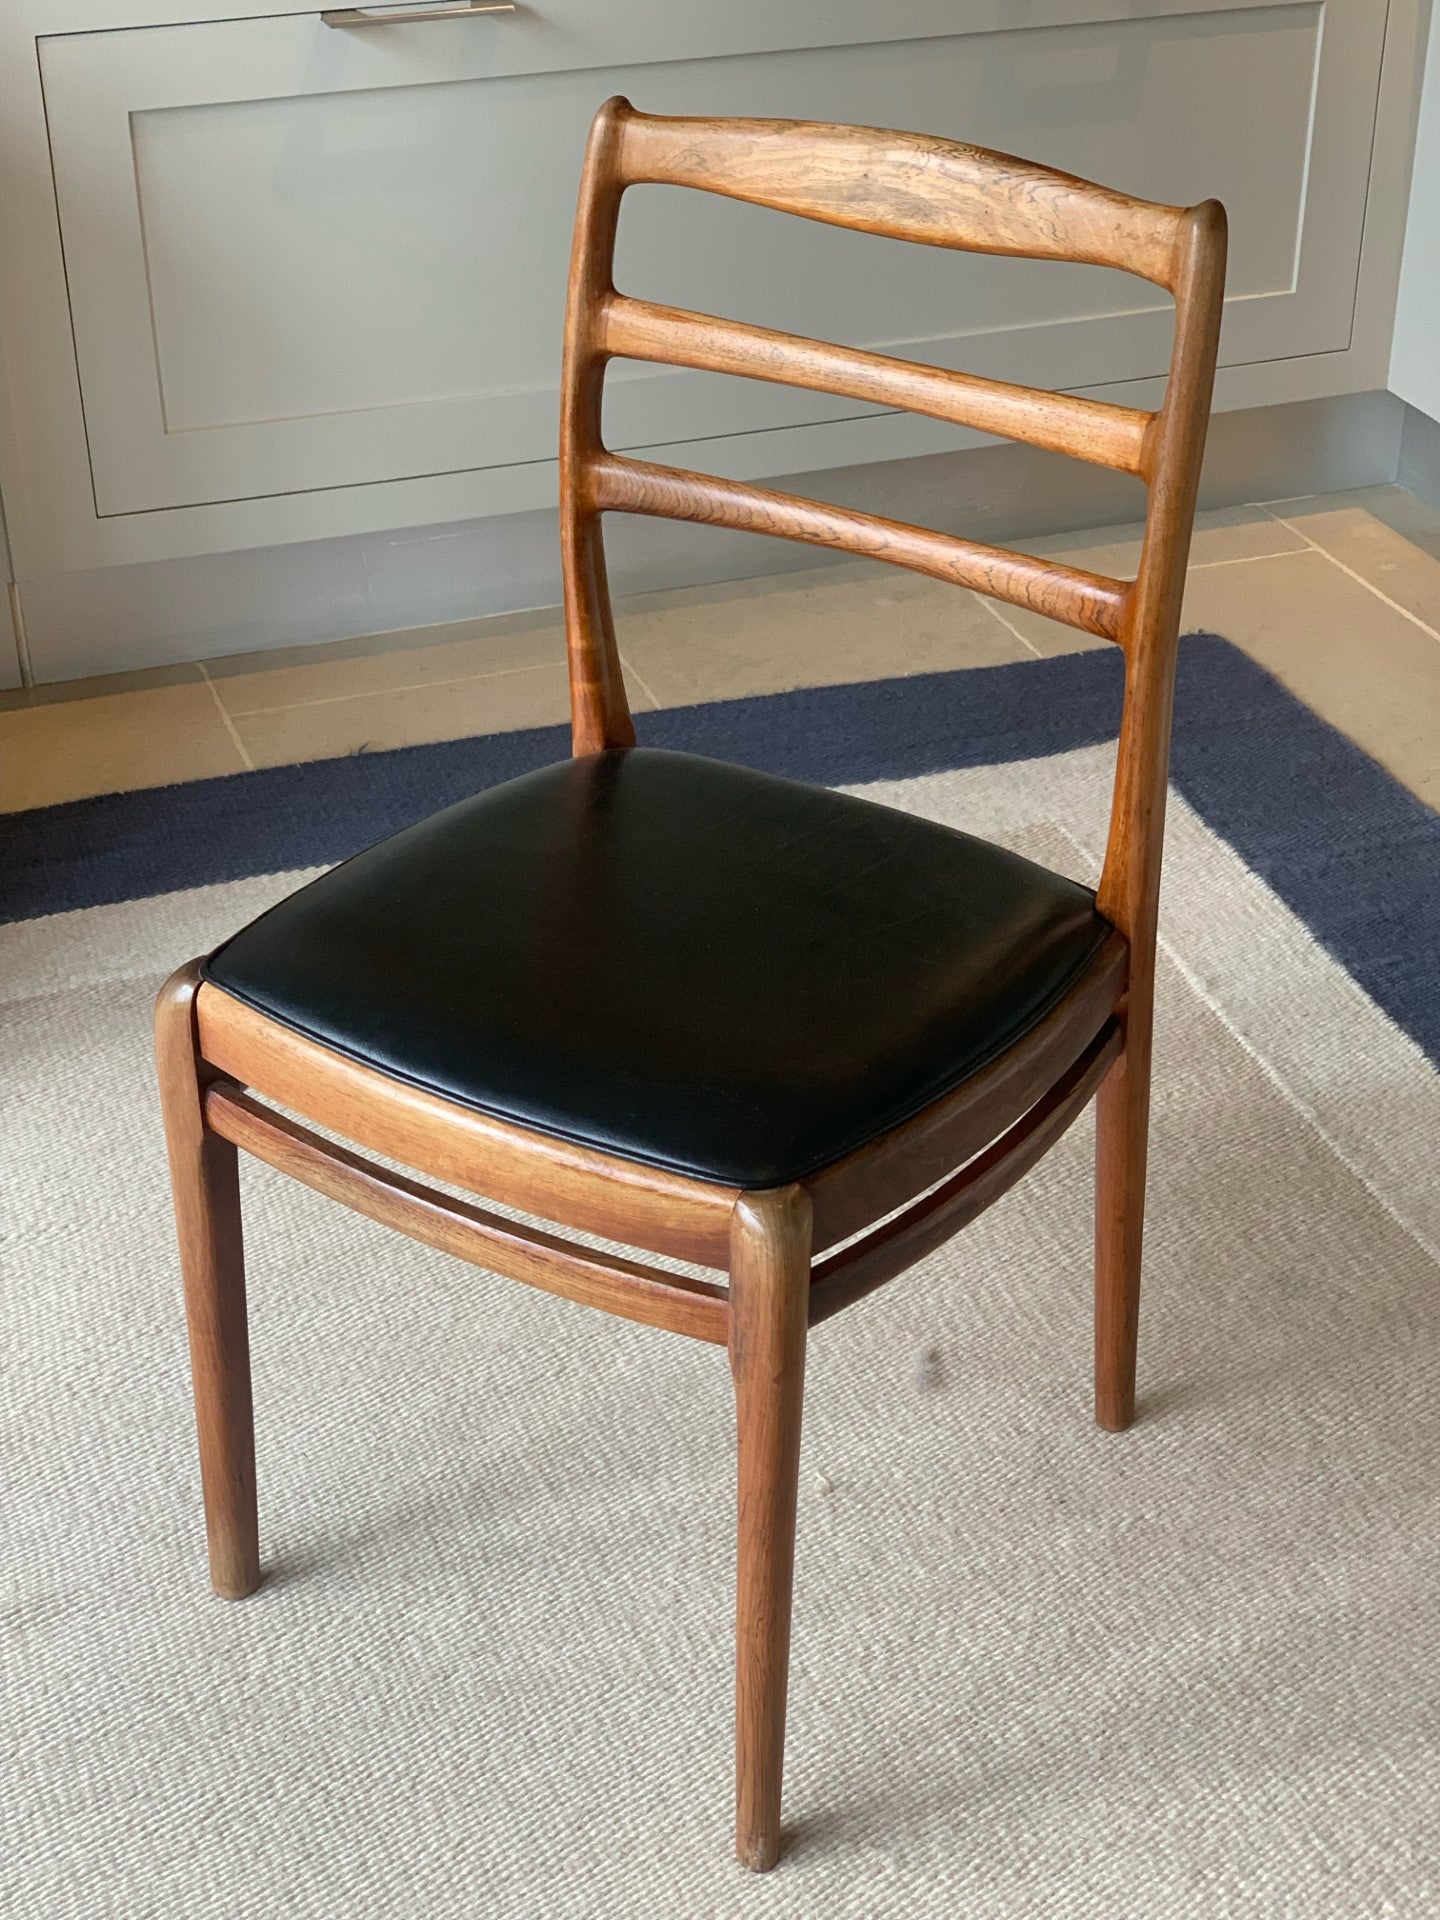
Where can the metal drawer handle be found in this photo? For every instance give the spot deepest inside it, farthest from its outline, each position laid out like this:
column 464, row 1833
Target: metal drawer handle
column 358, row 17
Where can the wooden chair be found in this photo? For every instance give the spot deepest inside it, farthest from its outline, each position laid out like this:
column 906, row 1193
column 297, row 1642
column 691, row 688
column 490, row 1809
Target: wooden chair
column 666, row 1001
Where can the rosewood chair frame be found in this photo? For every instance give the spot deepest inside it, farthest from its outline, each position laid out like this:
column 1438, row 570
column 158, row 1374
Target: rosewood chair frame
column 790, row 1255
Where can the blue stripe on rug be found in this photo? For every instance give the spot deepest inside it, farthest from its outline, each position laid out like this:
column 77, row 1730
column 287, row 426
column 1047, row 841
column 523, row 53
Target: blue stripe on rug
column 1349, row 850
column 125, row 846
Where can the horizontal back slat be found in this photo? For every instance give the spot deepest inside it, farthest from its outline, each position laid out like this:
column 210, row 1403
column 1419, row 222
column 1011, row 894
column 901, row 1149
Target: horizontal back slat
column 1094, row 430
column 1089, row 601
column 906, row 185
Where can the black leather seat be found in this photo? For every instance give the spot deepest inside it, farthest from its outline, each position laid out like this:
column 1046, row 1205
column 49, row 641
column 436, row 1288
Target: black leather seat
column 674, row 959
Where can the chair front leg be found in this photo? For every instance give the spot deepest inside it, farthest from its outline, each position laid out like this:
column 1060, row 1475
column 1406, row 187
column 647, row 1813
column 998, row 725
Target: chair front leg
column 769, row 1315
column 205, row 1180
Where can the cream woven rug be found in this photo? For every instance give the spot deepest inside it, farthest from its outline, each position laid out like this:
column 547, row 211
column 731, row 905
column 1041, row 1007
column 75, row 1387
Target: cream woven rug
column 1189, row 1671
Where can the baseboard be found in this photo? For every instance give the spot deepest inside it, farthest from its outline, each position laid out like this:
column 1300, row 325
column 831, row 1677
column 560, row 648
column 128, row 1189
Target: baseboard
column 156, row 614
column 1420, row 456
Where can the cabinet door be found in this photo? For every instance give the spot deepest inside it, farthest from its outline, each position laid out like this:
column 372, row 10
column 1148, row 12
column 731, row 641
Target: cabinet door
column 302, row 257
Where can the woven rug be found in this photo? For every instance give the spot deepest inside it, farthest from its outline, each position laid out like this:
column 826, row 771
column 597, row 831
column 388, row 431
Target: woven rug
column 1187, row 1671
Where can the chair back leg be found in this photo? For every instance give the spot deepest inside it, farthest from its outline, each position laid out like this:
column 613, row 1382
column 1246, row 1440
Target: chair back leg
column 769, row 1312
column 1122, row 1121
column 205, row 1180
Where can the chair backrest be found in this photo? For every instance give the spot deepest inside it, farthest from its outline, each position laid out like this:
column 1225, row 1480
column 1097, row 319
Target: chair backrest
column 940, row 193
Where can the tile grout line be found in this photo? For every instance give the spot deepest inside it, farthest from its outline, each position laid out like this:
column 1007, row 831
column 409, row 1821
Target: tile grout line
column 1199, row 566
column 1195, row 566
column 1308, row 544
column 411, row 686
column 630, row 671
column 992, row 606
column 229, row 724
column 1242, row 559
column 1358, row 578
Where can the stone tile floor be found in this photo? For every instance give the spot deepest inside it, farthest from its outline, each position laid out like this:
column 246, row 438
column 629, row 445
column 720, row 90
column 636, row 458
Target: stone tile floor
column 1337, row 594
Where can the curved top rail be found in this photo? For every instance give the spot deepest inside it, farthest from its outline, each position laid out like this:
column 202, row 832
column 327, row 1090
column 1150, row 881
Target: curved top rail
column 906, row 186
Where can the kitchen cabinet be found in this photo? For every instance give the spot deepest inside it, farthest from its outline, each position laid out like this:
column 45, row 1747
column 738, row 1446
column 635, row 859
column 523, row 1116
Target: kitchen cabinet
column 264, row 278
column 1415, row 355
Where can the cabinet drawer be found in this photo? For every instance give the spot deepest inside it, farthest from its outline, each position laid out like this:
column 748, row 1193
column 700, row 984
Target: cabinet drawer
column 302, row 257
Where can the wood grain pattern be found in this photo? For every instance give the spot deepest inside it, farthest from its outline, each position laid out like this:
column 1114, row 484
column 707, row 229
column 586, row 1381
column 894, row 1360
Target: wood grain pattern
column 865, row 1264
column 608, row 1281
column 906, row 186
column 205, row 1184
column 769, row 1302
column 1089, row 601
column 1094, row 430
column 1129, row 891
column 597, row 1192
column 1122, row 1128
column 600, row 713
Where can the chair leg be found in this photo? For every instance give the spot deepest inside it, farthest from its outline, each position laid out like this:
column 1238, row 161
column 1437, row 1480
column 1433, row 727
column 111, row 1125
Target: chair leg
column 1122, row 1120
column 204, row 1178
column 769, row 1314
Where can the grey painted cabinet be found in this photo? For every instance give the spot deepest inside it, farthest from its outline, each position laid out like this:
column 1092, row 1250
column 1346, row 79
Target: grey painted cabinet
column 271, row 279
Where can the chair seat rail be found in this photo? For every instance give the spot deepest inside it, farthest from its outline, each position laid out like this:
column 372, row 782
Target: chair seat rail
column 539, row 1259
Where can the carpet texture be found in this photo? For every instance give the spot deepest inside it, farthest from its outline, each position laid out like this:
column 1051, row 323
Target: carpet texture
column 1184, row 1672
